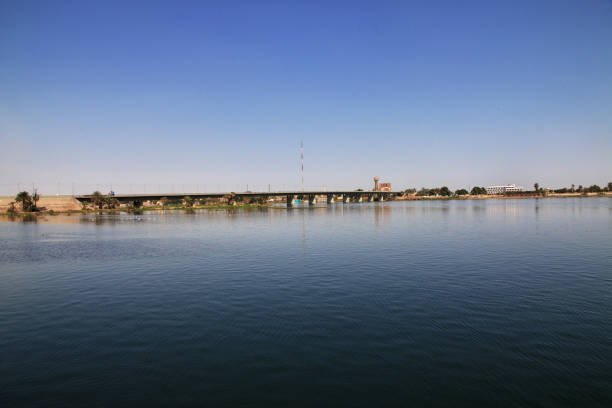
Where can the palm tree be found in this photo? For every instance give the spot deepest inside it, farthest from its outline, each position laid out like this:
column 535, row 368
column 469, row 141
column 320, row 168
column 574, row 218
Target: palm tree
column 25, row 200
column 35, row 198
column 536, row 187
column 97, row 199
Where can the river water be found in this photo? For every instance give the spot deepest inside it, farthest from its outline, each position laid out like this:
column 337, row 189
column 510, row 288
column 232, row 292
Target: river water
column 433, row 303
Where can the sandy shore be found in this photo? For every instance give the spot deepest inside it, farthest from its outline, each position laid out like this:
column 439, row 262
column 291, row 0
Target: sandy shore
column 55, row 203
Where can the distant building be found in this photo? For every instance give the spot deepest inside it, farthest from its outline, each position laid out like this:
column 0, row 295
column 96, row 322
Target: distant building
column 381, row 186
column 503, row 189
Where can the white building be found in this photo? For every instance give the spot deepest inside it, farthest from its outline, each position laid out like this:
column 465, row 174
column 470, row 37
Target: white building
column 503, row 189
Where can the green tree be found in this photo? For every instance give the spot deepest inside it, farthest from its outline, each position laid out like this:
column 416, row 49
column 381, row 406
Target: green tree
column 461, row 192
column 536, row 187
column 188, row 201
column 163, row 201
column 110, row 203
column 478, row 191
column 423, row 192
column 573, row 188
column 35, row 198
column 445, row 191
column 25, row 200
column 97, row 198
column 594, row 189
column 610, row 186
column 580, row 188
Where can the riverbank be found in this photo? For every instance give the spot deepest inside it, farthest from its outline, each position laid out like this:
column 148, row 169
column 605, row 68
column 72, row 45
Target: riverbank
column 503, row 197
column 53, row 203
column 56, row 205
column 138, row 210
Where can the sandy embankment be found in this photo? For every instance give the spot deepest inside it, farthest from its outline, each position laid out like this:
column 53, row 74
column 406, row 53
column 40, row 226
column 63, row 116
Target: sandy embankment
column 55, row 203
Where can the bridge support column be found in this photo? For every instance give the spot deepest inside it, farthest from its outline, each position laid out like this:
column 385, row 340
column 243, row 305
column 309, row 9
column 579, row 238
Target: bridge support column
column 346, row 198
column 370, row 198
column 289, row 200
column 330, row 198
column 359, row 198
column 312, row 200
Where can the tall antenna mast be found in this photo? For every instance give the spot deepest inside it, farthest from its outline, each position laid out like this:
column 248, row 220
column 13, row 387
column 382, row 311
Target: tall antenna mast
column 302, row 158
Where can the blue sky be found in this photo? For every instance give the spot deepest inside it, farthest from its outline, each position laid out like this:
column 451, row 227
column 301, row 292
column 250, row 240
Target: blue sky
column 220, row 93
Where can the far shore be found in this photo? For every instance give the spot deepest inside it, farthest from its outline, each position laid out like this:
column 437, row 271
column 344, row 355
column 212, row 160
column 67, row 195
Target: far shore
column 68, row 205
column 139, row 210
column 414, row 197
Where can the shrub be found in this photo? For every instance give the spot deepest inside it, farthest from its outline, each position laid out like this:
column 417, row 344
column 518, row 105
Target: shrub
column 27, row 203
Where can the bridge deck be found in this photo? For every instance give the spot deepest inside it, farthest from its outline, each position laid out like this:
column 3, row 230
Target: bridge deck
column 157, row 196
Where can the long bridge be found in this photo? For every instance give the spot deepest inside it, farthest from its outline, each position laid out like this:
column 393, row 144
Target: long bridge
column 309, row 196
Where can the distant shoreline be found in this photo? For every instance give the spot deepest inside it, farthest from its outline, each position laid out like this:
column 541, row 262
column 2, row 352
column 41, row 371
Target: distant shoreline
column 68, row 205
column 140, row 210
column 503, row 197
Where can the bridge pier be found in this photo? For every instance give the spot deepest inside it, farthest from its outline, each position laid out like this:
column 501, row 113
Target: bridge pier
column 138, row 200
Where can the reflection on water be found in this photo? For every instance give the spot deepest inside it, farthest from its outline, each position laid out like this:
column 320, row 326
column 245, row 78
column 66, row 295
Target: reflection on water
column 439, row 303
column 381, row 212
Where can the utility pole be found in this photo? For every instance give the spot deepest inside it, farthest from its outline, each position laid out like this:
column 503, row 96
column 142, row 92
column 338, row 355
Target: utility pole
column 302, row 159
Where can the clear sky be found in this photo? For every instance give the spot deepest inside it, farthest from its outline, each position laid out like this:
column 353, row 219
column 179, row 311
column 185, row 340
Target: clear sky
column 428, row 93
